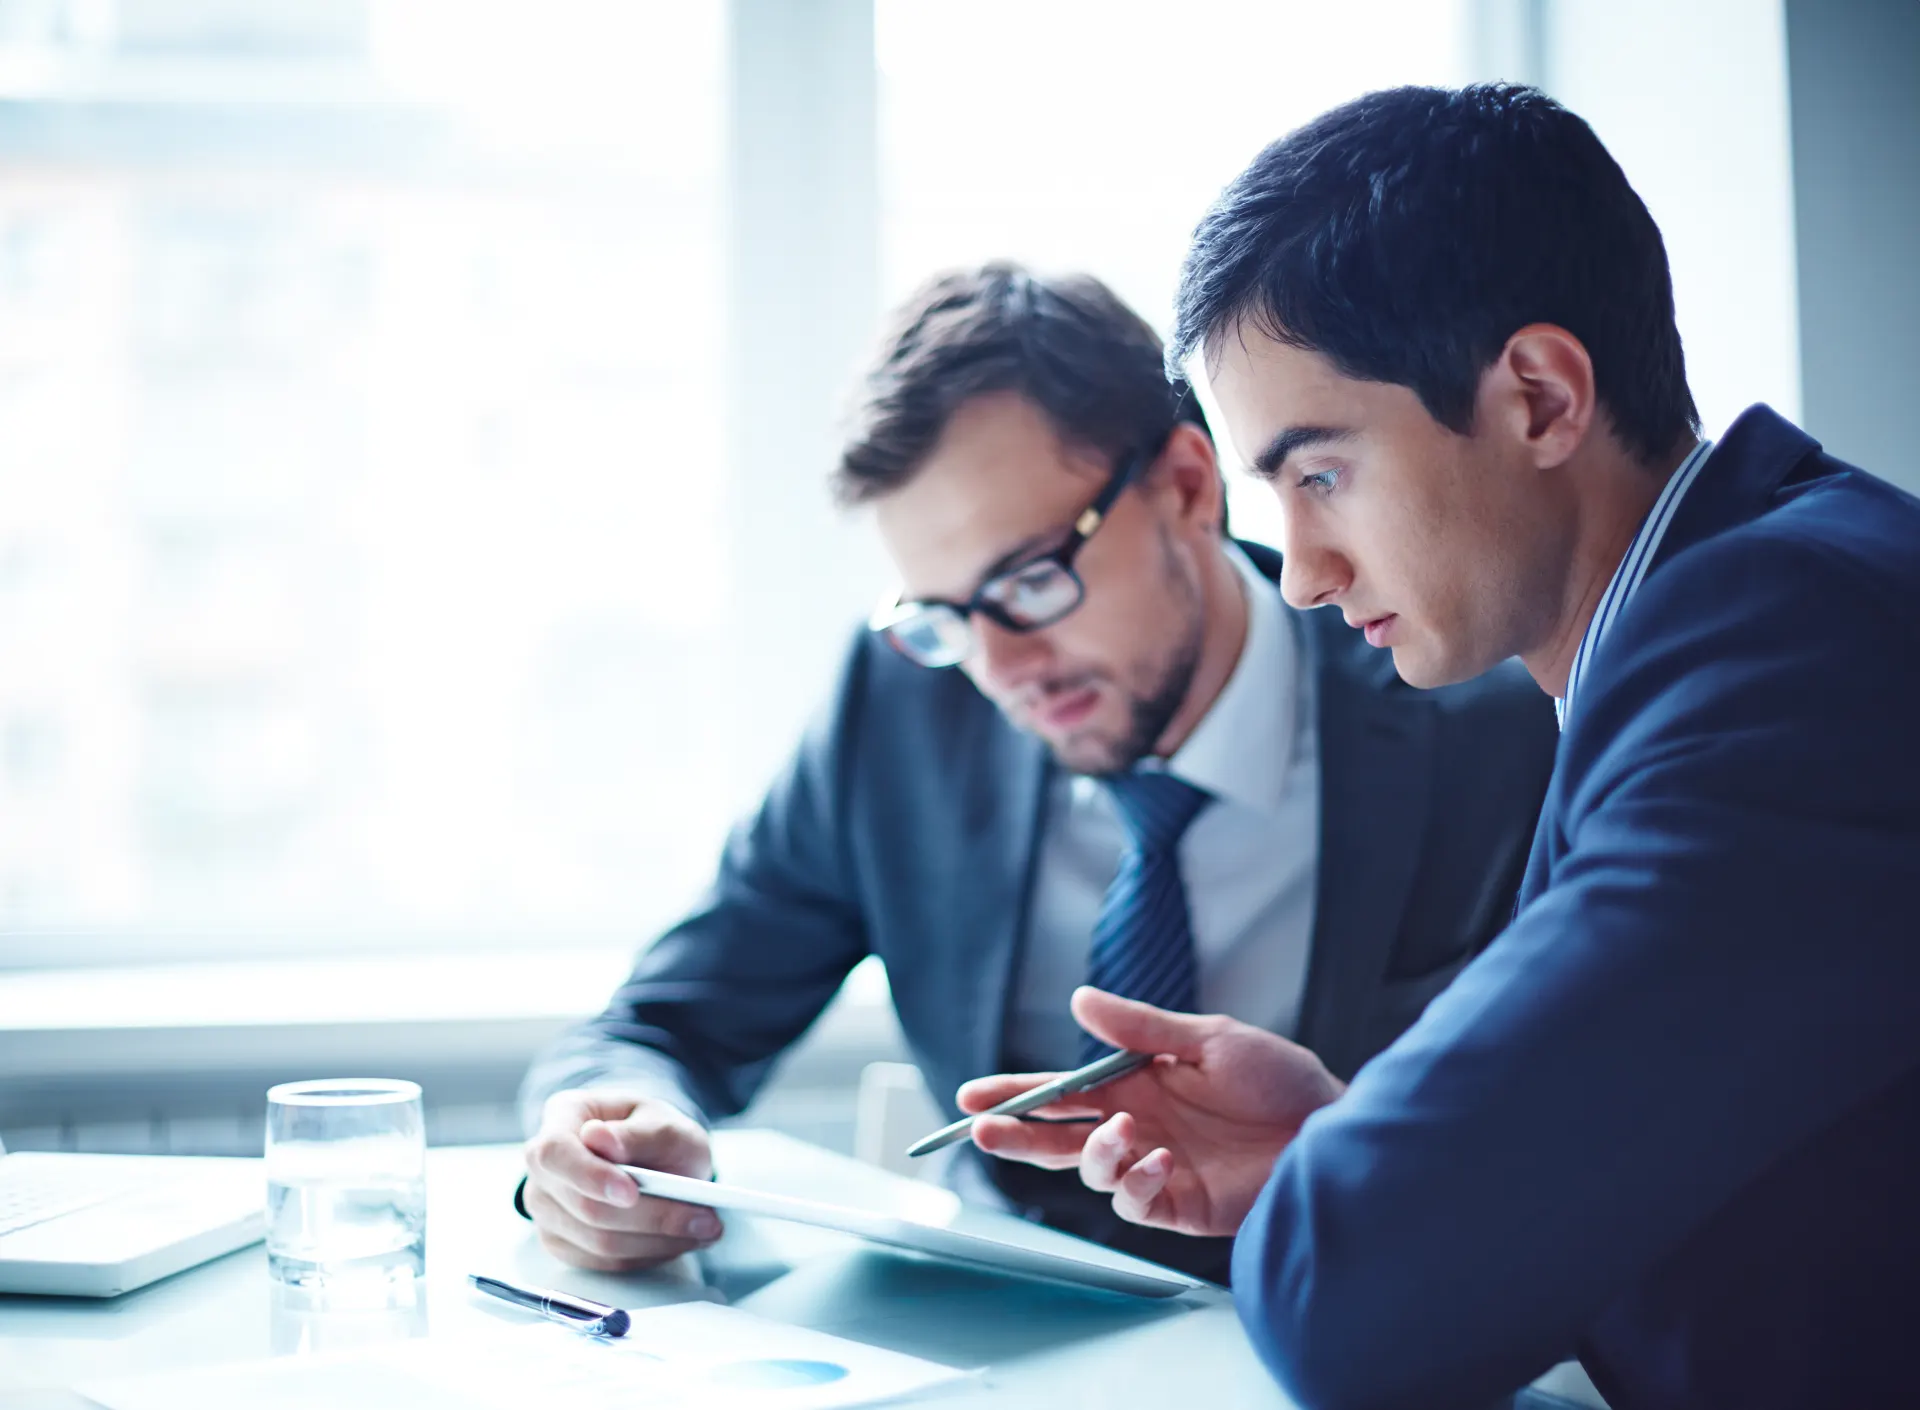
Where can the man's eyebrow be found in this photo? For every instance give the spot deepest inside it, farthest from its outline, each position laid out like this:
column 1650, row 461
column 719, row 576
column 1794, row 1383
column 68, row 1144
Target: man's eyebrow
column 1274, row 454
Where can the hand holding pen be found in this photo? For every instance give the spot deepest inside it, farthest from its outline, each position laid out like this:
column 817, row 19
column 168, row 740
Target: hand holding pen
column 1094, row 1074
column 1185, row 1142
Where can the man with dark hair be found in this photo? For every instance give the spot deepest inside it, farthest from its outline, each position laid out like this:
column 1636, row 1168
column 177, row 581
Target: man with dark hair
column 1671, row 1117
column 1147, row 772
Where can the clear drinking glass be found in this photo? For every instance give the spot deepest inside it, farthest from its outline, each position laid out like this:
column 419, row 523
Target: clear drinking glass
column 346, row 1182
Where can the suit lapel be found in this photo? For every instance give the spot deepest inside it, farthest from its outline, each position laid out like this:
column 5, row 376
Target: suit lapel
column 1376, row 740
column 1742, row 474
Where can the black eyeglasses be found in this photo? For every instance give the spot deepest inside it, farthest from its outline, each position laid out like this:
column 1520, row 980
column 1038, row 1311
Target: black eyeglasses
column 1024, row 598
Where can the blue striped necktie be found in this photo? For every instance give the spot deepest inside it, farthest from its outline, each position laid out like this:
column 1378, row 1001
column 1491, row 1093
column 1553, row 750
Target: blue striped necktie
column 1143, row 940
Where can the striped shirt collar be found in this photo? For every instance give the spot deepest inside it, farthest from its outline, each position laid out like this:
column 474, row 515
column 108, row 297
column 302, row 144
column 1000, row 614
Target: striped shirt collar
column 1632, row 569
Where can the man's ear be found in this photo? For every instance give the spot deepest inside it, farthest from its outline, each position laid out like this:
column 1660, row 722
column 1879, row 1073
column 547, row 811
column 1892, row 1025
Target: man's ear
column 1188, row 470
column 1539, row 393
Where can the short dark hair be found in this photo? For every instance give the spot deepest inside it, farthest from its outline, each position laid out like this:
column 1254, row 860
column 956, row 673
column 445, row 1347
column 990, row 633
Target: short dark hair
column 1406, row 235
column 1067, row 343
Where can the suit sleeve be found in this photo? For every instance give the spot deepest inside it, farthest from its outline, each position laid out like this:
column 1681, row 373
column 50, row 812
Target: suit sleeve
column 1723, row 964
column 713, row 1002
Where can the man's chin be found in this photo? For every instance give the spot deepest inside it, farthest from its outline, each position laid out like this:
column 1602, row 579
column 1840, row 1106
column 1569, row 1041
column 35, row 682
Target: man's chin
column 1429, row 670
column 1081, row 753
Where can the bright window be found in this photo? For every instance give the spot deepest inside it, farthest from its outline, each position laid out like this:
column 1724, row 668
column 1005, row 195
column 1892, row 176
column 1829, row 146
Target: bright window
column 366, row 573
column 360, row 502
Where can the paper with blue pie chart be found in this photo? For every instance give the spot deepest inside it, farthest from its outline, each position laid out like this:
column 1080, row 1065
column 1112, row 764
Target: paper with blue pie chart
column 717, row 1356
column 784, row 1373
column 689, row 1356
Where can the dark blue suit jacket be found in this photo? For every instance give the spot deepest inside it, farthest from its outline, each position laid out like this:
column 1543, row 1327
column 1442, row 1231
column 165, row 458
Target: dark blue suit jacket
column 907, row 826
column 1671, row 1119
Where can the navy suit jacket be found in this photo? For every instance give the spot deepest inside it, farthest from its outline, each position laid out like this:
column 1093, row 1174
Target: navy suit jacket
column 1671, row 1119
column 907, row 826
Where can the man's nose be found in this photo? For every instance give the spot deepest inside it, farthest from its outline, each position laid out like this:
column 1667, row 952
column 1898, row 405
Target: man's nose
column 1005, row 658
column 1313, row 573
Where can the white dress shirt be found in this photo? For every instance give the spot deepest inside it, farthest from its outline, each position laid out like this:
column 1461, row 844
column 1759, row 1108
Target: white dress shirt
column 1249, row 860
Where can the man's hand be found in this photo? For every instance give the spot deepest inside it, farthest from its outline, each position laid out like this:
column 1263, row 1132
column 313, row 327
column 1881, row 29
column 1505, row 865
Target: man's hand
column 1185, row 1144
column 592, row 1215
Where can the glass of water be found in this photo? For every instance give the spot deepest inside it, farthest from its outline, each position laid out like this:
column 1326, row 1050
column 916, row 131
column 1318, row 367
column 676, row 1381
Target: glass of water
column 346, row 1183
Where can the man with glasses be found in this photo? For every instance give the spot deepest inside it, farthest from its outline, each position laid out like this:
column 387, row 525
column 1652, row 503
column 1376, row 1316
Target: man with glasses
column 1147, row 774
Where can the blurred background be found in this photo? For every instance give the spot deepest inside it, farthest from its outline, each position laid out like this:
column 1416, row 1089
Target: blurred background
column 414, row 418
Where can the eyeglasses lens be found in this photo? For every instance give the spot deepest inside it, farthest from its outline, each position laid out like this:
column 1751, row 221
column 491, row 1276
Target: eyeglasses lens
column 932, row 636
column 1035, row 595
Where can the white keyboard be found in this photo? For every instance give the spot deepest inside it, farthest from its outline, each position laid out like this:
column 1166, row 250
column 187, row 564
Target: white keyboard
column 32, row 1194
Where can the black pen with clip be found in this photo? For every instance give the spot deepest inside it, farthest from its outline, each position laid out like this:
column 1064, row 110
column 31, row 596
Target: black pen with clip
column 596, row 1319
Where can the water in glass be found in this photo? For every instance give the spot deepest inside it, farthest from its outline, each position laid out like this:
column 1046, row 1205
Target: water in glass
column 346, row 1182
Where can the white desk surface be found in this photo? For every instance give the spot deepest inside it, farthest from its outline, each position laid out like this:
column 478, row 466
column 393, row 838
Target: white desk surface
column 1035, row 1344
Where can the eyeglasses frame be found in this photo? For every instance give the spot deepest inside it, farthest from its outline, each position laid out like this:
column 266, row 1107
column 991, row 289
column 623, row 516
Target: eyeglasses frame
column 897, row 609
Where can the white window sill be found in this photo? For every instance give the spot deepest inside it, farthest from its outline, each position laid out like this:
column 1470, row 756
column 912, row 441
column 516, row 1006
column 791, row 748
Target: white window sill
column 318, row 1013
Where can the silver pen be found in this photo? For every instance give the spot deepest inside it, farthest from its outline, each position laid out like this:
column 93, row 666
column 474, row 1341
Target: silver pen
column 593, row 1318
column 1092, row 1075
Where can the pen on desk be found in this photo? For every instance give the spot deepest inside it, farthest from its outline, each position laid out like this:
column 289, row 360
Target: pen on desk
column 594, row 1318
column 1092, row 1075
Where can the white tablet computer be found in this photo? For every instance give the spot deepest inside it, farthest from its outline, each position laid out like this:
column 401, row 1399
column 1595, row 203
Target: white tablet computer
column 915, row 1235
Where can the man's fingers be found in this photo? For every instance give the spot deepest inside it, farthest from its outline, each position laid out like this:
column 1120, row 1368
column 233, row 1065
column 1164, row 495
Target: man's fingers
column 657, row 1138
column 670, row 1229
column 558, row 1156
column 1108, row 1153
column 1138, row 1027
column 576, row 1106
column 984, row 1092
column 1136, row 1196
column 650, row 1216
column 586, row 1246
column 586, row 1156
column 1051, row 1147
